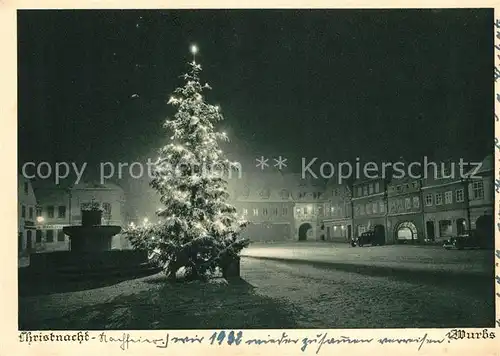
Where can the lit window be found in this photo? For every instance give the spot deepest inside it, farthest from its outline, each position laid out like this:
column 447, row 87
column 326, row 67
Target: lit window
column 255, row 212
column 245, row 211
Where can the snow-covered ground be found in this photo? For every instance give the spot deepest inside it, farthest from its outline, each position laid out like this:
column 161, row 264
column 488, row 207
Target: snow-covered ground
column 390, row 256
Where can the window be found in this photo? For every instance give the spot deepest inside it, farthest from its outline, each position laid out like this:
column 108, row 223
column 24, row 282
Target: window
column 368, row 208
column 360, row 191
column 107, row 208
column 445, row 228
column 336, row 192
column 284, row 211
column 439, row 198
column 416, row 202
column 448, row 197
column 60, row 236
column 284, row 194
column 332, row 210
column 356, row 210
column 245, row 211
column 49, row 236
column 264, row 211
column 61, row 212
column 400, row 205
column 275, row 211
column 375, row 207
column 26, row 188
column 365, row 190
column 38, row 211
column 377, row 187
column 398, row 189
column 407, row 203
column 459, row 195
column 370, row 188
column 31, row 212
column 477, row 190
column 428, row 199
column 38, row 236
column 255, row 212
column 50, row 211
column 320, row 210
column 381, row 206
column 362, row 210
column 23, row 211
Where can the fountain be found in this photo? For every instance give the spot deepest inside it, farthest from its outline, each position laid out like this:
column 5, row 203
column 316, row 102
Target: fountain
column 90, row 253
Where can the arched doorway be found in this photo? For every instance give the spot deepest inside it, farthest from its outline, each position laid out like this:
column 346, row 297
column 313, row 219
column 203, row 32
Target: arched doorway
column 303, row 230
column 406, row 232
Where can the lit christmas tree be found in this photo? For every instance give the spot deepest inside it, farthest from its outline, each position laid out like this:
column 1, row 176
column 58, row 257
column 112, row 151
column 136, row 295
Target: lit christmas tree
column 198, row 229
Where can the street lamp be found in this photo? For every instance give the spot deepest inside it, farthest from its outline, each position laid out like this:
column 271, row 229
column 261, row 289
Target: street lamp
column 40, row 219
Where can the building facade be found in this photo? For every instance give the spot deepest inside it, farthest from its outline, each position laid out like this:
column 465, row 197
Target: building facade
column 404, row 213
column 337, row 212
column 26, row 210
column 370, row 206
column 59, row 207
column 279, row 207
column 445, row 203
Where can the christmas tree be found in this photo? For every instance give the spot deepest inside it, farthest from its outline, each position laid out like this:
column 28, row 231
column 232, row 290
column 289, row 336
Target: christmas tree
column 198, row 229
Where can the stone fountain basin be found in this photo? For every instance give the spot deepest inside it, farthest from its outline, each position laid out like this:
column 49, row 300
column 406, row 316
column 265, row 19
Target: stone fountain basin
column 93, row 238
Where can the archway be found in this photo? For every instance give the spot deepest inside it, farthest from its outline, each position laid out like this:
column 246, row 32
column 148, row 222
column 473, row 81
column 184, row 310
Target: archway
column 303, row 229
column 406, row 232
column 484, row 227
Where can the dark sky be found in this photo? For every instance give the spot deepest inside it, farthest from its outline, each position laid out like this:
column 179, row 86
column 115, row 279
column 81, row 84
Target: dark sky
column 336, row 84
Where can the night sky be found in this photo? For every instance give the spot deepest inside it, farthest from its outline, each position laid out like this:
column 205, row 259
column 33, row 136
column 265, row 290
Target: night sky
column 333, row 84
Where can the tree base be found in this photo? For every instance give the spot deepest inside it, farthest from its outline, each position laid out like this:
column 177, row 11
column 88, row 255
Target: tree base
column 231, row 269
